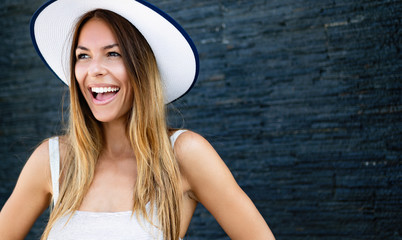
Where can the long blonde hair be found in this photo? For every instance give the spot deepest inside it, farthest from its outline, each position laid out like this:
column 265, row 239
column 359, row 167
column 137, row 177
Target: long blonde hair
column 158, row 175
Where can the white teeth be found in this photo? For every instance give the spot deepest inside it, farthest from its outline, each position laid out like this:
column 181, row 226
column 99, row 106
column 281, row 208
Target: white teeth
column 104, row 89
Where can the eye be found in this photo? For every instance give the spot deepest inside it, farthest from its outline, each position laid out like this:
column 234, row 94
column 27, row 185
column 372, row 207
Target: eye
column 82, row 56
column 113, row 54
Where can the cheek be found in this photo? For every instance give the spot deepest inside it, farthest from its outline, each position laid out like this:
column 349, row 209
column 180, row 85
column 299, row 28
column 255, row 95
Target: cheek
column 129, row 88
column 79, row 72
column 79, row 75
column 129, row 96
column 122, row 75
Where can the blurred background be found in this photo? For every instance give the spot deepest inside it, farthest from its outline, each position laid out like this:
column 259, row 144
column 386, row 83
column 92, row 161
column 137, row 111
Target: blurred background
column 302, row 100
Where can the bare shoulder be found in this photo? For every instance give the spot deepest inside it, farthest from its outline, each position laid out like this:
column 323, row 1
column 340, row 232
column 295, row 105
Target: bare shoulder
column 189, row 145
column 198, row 159
column 210, row 181
column 189, row 139
column 40, row 156
column 31, row 195
column 39, row 161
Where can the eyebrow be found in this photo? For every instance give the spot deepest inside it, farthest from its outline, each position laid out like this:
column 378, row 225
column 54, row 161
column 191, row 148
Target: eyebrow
column 105, row 47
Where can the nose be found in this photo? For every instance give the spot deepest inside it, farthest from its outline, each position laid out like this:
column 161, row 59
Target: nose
column 96, row 68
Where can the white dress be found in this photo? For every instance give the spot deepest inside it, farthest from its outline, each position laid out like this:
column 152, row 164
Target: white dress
column 85, row 225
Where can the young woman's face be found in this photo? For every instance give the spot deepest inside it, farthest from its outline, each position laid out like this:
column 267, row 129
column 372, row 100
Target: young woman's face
column 101, row 73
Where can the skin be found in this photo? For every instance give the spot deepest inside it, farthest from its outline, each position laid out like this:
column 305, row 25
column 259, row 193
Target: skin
column 205, row 177
column 99, row 64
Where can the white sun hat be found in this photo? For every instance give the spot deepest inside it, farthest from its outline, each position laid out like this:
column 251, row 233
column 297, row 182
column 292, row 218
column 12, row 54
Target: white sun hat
column 176, row 55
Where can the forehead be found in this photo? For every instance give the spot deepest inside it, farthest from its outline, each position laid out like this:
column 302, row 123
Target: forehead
column 96, row 32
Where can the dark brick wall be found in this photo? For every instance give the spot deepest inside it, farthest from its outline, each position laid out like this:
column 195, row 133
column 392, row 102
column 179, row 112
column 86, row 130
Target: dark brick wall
column 302, row 99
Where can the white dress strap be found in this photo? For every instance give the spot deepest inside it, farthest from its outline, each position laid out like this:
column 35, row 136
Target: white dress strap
column 175, row 135
column 54, row 157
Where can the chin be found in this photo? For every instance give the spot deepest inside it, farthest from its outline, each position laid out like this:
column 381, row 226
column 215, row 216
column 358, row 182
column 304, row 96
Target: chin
column 108, row 117
column 104, row 118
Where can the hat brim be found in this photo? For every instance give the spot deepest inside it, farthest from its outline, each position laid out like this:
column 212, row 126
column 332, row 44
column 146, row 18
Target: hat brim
column 176, row 55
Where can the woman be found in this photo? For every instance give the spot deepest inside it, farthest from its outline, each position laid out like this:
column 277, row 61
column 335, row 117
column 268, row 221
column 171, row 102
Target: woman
column 119, row 172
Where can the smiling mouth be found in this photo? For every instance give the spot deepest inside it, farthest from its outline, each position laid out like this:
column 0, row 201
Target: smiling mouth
column 104, row 93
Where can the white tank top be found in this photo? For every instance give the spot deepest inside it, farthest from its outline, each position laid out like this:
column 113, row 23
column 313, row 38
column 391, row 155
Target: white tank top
column 85, row 225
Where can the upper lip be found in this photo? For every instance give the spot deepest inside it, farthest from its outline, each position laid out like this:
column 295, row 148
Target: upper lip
column 101, row 85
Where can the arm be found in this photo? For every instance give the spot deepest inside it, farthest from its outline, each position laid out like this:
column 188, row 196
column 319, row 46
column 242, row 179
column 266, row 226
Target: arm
column 31, row 196
column 214, row 186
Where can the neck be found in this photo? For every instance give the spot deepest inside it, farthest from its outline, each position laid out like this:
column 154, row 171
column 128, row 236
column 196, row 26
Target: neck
column 117, row 143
